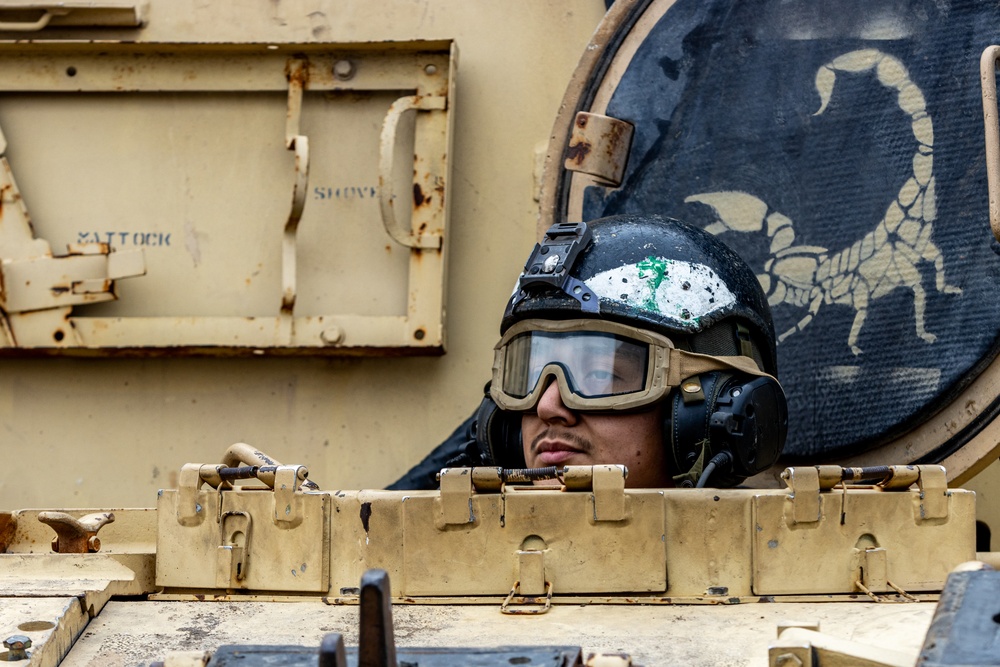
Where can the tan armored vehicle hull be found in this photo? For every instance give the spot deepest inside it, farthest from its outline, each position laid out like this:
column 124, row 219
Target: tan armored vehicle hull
column 296, row 225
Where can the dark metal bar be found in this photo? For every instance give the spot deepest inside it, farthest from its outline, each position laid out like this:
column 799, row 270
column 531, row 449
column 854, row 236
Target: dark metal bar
column 376, row 645
column 517, row 475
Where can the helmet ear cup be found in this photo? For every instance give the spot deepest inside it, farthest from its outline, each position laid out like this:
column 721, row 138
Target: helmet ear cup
column 498, row 434
column 738, row 421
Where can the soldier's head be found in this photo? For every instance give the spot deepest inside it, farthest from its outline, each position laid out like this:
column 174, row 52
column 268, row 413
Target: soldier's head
column 638, row 340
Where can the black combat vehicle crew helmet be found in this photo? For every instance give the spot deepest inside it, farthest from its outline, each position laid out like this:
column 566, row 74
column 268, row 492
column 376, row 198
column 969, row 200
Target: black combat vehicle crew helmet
column 668, row 301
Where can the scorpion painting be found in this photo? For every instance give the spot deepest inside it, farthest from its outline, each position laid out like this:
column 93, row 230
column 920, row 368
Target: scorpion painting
column 838, row 147
column 872, row 267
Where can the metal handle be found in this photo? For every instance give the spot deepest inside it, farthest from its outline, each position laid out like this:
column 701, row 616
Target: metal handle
column 32, row 26
column 298, row 78
column 386, row 164
column 988, row 73
column 242, row 453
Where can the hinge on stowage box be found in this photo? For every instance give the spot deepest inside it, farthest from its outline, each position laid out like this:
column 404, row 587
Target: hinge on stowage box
column 455, row 503
column 803, row 482
column 933, row 496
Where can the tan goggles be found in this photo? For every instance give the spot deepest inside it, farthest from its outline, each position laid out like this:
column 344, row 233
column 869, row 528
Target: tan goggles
column 597, row 365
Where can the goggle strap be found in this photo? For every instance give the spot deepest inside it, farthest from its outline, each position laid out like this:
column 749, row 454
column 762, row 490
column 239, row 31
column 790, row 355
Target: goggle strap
column 688, row 364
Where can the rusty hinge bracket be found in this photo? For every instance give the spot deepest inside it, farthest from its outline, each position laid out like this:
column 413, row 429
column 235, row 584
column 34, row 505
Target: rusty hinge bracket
column 599, row 146
column 85, row 275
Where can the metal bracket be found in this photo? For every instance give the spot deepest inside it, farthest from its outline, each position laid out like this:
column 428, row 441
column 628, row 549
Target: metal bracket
column 531, row 572
column 233, row 555
column 599, row 146
column 933, row 485
column 873, row 569
column 189, row 510
column 76, row 536
column 287, row 496
column 609, row 492
column 455, row 503
column 86, row 274
column 803, row 482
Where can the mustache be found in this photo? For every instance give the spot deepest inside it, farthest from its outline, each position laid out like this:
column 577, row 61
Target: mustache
column 575, row 440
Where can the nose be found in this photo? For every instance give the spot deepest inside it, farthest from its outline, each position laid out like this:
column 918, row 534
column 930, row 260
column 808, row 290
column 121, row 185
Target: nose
column 551, row 408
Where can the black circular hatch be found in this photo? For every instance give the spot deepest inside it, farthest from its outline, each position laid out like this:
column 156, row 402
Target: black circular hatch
column 838, row 147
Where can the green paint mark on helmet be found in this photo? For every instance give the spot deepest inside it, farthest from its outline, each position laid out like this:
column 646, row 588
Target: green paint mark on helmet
column 654, row 270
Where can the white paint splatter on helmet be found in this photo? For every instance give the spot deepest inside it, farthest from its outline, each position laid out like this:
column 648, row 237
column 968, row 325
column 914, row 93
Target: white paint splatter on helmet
column 675, row 289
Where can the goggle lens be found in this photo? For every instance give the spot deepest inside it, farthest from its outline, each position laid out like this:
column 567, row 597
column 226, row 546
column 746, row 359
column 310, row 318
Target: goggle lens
column 595, row 364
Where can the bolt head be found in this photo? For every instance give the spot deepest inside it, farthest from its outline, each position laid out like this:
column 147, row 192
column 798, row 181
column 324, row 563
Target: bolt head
column 17, row 642
column 343, row 70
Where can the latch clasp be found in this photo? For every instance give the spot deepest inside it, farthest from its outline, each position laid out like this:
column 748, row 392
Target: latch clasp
column 233, row 555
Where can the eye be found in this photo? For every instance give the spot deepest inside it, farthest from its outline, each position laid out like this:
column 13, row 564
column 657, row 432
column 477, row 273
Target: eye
column 601, row 376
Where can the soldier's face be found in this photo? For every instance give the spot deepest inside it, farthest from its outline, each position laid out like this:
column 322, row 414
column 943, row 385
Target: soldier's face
column 554, row 435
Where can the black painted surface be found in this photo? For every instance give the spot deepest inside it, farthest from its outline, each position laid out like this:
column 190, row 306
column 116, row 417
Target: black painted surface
column 723, row 96
column 302, row 656
column 966, row 625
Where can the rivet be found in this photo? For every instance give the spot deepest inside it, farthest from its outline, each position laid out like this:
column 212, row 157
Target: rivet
column 332, row 336
column 691, row 387
column 431, row 70
column 343, row 70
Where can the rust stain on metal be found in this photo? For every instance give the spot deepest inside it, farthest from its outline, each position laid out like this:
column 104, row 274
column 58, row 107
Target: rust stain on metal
column 616, row 137
column 297, row 70
column 418, row 195
column 366, row 514
column 7, row 526
column 578, row 152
